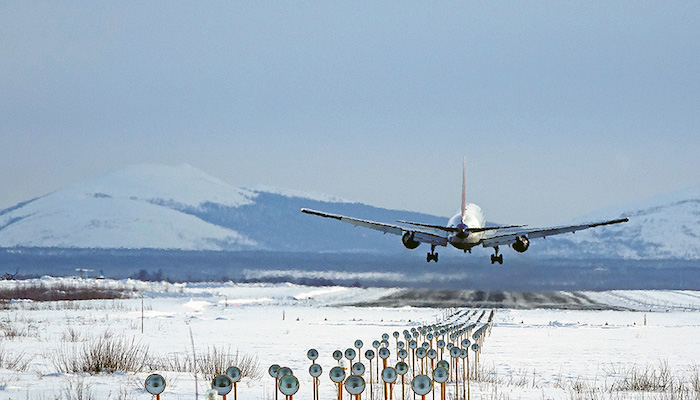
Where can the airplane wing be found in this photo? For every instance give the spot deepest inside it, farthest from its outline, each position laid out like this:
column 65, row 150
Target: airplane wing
column 420, row 236
column 510, row 237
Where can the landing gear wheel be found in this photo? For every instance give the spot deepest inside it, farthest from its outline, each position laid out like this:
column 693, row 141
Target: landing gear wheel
column 496, row 258
column 432, row 256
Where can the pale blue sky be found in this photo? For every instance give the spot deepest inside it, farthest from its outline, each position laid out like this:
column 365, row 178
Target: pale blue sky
column 561, row 108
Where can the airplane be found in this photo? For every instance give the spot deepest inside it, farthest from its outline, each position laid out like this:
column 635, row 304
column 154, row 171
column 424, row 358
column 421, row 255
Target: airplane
column 464, row 231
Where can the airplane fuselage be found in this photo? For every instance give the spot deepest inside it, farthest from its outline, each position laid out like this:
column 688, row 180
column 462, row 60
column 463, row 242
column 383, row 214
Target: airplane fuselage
column 472, row 217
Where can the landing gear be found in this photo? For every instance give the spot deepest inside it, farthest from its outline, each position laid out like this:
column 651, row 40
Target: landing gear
column 432, row 256
column 496, row 258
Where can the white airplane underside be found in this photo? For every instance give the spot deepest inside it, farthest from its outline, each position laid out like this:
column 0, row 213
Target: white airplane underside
column 464, row 231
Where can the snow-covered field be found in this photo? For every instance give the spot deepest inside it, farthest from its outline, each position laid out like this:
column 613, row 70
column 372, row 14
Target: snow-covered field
column 528, row 354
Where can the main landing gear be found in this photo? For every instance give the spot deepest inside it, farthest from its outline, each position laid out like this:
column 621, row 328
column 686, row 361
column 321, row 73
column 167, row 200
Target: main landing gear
column 496, row 258
column 432, row 256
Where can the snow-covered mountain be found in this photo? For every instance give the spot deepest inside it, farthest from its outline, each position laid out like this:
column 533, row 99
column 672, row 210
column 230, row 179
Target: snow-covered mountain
column 660, row 227
column 137, row 207
column 181, row 207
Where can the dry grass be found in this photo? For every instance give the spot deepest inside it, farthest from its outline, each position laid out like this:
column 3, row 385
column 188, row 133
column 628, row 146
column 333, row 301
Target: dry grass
column 71, row 335
column 42, row 292
column 76, row 389
column 109, row 353
column 215, row 361
column 106, row 353
column 11, row 331
column 648, row 379
column 15, row 362
column 658, row 381
column 519, row 378
column 634, row 382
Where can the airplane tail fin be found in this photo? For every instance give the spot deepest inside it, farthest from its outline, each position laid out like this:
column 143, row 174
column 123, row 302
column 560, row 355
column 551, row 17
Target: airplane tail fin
column 464, row 186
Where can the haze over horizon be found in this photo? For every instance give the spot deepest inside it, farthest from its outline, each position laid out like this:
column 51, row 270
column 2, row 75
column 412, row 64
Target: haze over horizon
column 560, row 108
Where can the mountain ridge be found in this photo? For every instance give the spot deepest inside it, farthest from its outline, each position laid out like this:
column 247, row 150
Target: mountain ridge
column 182, row 208
column 660, row 227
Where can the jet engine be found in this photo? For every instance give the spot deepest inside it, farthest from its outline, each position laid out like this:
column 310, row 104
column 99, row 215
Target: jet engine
column 409, row 241
column 521, row 244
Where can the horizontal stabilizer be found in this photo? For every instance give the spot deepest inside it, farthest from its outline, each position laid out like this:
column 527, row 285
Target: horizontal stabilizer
column 455, row 229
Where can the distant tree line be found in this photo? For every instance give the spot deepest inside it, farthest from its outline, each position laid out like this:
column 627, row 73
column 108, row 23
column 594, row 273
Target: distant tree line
column 143, row 275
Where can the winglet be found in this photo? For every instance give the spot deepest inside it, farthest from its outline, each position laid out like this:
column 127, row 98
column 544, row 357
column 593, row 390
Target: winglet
column 464, row 186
